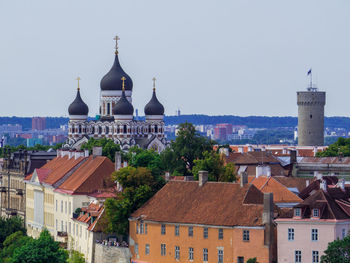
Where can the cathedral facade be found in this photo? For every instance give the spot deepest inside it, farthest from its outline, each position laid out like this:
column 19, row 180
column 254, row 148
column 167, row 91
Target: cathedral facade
column 116, row 119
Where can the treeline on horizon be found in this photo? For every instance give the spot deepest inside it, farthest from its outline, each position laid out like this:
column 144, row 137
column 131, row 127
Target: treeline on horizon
column 196, row 119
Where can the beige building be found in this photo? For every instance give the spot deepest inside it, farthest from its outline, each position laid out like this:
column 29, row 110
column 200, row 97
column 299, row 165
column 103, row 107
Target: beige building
column 55, row 191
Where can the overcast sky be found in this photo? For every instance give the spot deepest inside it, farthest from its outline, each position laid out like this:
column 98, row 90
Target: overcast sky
column 231, row 57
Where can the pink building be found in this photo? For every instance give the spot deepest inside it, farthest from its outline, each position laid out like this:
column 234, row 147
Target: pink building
column 321, row 218
column 221, row 131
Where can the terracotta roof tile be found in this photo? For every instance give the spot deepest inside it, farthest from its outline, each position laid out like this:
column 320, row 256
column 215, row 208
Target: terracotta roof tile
column 187, row 202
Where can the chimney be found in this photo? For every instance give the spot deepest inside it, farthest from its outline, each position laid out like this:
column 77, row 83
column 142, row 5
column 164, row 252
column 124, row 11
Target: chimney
column 167, row 176
column 202, row 177
column 268, row 171
column 244, row 178
column 78, row 154
column 307, row 183
column 250, row 148
column 58, row 153
column 86, row 153
column 317, row 175
column 293, row 157
column 267, row 219
column 341, row 184
column 97, row 151
column 70, row 154
column 323, row 185
column 240, row 149
column 118, row 161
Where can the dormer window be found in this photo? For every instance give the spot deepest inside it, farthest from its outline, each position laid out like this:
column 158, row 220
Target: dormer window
column 297, row 212
column 315, row 212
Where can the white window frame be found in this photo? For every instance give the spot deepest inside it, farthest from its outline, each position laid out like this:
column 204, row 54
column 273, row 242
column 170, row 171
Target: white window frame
column 314, row 234
column 190, row 253
column 221, row 233
column 297, row 212
column 190, row 231
column 315, row 256
column 205, row 232
column 246, row 235
column 163, row 249
column 297, row 256
column 290, row 234
column 163, row 229
column 177, row 230
column 177, row 252
column 147, row 249
column 205, row 255
column 315, row 212
column 220, row 256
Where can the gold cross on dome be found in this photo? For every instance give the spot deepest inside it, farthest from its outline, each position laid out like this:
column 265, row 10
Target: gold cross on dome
column 123, row 79
column 78, row 79
column 154, row 83
column 116, row 38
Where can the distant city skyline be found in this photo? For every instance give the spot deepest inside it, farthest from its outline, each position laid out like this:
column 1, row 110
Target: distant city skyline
column 217, row 58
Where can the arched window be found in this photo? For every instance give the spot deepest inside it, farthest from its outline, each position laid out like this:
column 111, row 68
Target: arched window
column 93, row 129
column 118, row 130
column 156, row 129
column 108, row 108
column 124, row 130
column 149, row 128
column 99, row 129
column 107, row 129
column 79, row 128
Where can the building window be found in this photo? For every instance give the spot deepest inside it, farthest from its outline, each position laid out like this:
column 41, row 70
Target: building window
column 314, row 234
column 220, row 256
column 205, row 254
column 56, row 205
column 315, row 257
column 315, row 213
column 297, row 256
column 221, row 233
column 205, row 232
column 177, row 252
column 290, row 234
column 61, row 225
column 240, row 260
column 61, row 206
column 190, row 231
column 146, row 226
column 73, row 230
column 70, row 207
column 177, row 230
column 136, row 248
column 246, row 235
column 65, row 207
column 56, row 223
column 163, row 229
column 343, row 233
column 141, row 228
column 147, row 249
column 80, row 230
column 297, row 212
column 162, row 249
column 190, row 253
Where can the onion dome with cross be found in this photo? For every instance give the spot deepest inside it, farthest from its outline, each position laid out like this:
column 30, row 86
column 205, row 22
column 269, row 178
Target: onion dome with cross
column 154, row 107
column 123, row 106
column 78, row 108
column 112, row 80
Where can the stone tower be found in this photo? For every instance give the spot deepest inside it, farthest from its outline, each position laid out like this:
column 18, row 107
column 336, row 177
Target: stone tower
column 311, row 117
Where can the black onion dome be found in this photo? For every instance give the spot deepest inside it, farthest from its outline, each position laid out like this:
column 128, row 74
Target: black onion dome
column 123, row 106
column 154, row 107
column 112, row 80
column 78, row 106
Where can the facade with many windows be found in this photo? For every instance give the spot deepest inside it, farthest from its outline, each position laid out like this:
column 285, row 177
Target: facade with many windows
column 321, row 218
column 192, row 227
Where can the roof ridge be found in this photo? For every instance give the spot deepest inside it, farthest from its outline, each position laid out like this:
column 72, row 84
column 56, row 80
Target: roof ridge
column 328, row 205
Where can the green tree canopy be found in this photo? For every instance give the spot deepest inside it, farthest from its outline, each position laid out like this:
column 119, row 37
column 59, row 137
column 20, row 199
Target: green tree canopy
column 213, row 163
column 188, row 146
column 41, row 250
column 75, row 257
column 11, row 243
column 340, row 147
column 108, row 147
column 338, row 251
column 9, row 226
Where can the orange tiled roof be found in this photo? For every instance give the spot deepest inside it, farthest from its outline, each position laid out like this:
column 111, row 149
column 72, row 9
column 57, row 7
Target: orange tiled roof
column 93, row 211
column 187, row 202
column 281, row 194
column 89, row 177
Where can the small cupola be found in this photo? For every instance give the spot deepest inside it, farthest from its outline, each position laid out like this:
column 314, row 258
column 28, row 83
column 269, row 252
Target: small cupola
column 78, row 108
column 154, row 109
column 112, row 80
column 123, row 109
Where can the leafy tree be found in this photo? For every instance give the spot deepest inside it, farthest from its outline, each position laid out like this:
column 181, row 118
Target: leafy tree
column 213, row 163
column 41, row 250
column 108, row 147
column 188, row 146
column 75, row 257
column 9, row 226
column 340, row 147
column 139, row 184
column 338, row 251
column 12, row 242
column 252, row 260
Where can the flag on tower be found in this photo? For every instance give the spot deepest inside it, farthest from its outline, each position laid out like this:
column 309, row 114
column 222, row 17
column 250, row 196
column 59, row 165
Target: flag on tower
column 309, row 72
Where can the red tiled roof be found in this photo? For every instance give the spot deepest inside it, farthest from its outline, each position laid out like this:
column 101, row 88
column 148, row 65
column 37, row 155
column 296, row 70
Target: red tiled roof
column 187, row 202
column 93, row 211
column 89, row 177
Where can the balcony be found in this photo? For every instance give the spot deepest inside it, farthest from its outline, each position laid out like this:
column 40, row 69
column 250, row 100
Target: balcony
column 62, row 237
column 19, row 191
column 3, row 189
column 62, row 234
column 11, row 212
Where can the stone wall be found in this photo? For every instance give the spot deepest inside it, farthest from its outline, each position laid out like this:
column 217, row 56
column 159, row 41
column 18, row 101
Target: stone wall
column 110, row 254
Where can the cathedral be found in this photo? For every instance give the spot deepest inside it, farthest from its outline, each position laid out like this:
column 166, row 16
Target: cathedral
column 116, row 115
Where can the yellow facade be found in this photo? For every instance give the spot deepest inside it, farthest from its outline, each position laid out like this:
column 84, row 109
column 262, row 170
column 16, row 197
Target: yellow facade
column 232, row 247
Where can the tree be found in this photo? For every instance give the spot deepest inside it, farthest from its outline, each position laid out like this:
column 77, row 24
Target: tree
column 41, row 250
column 337, row 251
column 188, row 146
column 75, row 257
column 108, row 147
column 252, row 260
column 9, row 226
column 213, row 163
column 340, row 147
column 12, row 242
column 139, row 184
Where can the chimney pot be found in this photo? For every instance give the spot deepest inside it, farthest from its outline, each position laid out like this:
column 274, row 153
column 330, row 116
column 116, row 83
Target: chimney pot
column 244, row 178
column 97, row 151
column 203, row 177
column 118, row 161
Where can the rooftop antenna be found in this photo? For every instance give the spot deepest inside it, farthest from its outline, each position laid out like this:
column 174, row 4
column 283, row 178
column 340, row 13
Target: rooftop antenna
column 311, row 87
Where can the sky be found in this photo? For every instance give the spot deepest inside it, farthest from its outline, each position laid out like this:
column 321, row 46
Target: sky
column 227, row 57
